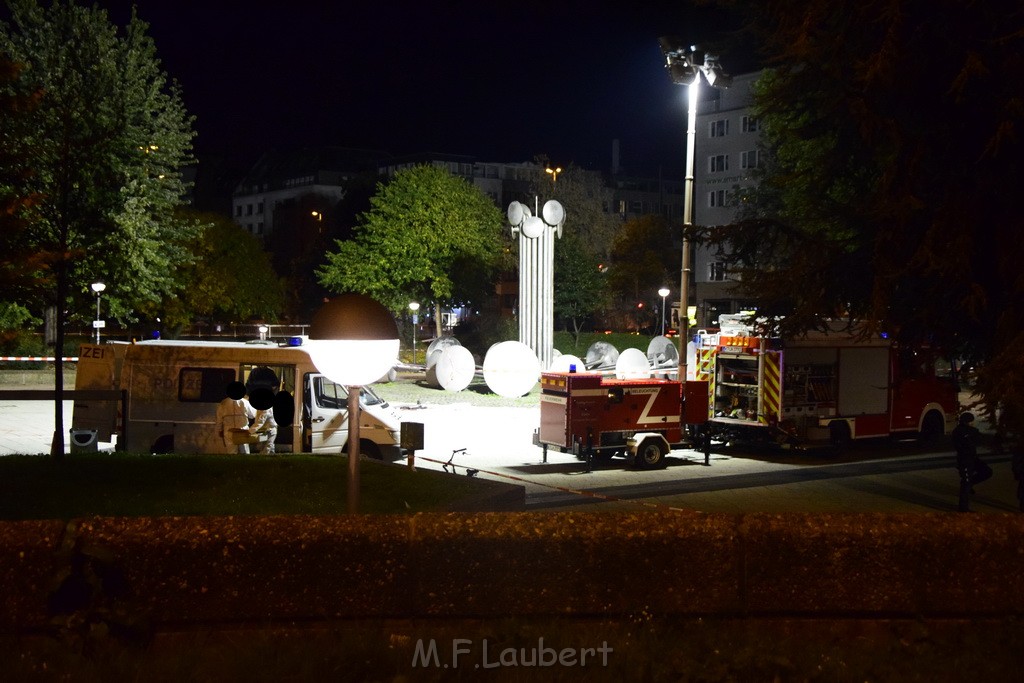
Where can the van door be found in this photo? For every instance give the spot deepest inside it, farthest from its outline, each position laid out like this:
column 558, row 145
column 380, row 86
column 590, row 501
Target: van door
column 325, row 415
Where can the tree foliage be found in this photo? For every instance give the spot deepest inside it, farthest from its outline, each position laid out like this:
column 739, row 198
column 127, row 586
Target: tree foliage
column 428, row 235
column 642, row 262
column 105, row 142
column 894, row 130
column 586, row 201
column 229, row 278
column 580, row 289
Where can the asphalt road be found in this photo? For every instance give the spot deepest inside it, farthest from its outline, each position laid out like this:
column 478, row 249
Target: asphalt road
column 496, row 441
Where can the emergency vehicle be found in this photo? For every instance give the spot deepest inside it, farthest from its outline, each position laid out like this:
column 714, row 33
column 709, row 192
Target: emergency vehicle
column 834, row 385
column 595, row 416
column 171, row 390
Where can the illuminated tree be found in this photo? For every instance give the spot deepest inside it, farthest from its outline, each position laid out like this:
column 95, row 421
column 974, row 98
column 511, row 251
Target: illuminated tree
column 427, row 236
column 106, row 142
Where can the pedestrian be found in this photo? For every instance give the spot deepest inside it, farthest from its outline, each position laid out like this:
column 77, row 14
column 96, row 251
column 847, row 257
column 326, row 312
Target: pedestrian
column 1018, row 473
column 972, row 469
column 262, row 385
column 264, row 425
column 234, row 413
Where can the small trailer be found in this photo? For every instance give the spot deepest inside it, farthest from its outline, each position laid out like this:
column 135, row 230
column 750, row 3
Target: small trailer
column 593, row 416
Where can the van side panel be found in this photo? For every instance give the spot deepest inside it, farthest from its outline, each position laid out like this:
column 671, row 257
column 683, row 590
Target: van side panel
column 98, row 368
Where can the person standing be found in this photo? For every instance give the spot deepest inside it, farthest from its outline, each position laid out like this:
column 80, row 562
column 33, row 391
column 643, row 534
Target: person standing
column 972, row 469
column 234, row 412
column 1017, row 463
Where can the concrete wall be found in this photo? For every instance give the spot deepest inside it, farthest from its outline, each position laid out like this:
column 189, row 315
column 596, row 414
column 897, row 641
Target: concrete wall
column 467, row 565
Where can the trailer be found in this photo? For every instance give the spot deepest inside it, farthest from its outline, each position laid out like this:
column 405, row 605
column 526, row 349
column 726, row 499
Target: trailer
column 594, row 416
column 832, row 386
column 172, row 390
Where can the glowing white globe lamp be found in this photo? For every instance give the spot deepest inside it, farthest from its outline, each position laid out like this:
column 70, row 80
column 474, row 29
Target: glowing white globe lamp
column 353, row 340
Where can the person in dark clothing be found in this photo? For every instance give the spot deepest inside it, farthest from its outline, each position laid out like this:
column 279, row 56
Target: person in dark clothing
column 1018, row 473
column 972, row 469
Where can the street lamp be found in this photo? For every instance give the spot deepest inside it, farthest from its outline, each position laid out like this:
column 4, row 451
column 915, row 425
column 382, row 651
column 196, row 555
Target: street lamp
column 663, row 292
column 97, row 287
column 683, row 68
column 553, row 172
column 353, row 341
column 414, row 306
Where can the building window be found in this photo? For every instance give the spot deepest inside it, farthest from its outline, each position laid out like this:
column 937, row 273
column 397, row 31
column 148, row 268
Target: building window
column 238, row 210
column 248, row 209
column 716, row 272
column 718, row 163
column 720, row 128
column 749, row 159
column 259, row 208
column 751, row 124
column 716, row 198
column 259, row 228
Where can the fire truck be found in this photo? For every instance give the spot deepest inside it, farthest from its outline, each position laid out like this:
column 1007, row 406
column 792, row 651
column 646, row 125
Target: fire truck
column 833, row 385
column 594, row 416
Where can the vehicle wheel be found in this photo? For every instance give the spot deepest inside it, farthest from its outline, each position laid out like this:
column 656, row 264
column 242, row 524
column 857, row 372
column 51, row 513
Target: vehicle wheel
column 839, row 433
column 651, row 454
column 370, row 450
column 932, row 428
column 164, row 445
column 604, row 455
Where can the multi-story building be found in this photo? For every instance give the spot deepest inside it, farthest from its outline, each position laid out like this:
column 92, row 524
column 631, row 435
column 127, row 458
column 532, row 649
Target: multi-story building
column 726, row 152
column 279, row 179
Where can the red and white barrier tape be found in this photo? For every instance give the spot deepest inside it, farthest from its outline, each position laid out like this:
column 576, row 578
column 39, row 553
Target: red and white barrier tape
column 73, row 359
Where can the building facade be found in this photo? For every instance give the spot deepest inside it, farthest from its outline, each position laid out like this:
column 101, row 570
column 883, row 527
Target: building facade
column 726, row 154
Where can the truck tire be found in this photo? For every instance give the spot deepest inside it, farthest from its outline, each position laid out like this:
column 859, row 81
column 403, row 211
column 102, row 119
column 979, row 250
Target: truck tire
column 932, row 427
column 650, row 454
column 839, row 433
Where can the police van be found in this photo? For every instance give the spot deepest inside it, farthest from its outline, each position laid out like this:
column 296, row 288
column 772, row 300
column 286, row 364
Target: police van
column 171, row 390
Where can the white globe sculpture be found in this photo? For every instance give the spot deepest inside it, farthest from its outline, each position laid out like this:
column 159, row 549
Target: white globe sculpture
column 565, row 362
column 511, row 369
column 453, row 369
column 632, row 364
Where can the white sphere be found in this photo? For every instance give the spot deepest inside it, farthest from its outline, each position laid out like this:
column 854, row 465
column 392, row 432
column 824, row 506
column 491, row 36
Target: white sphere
column 511, row 369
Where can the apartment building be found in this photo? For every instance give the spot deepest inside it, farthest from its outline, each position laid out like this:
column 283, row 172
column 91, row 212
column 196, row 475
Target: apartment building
column 726, row 152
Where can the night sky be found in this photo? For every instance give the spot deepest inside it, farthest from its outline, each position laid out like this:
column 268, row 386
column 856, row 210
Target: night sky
column 500, row 81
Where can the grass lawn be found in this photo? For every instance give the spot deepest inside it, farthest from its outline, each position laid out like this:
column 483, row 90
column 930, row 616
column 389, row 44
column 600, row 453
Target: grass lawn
column 105, row 484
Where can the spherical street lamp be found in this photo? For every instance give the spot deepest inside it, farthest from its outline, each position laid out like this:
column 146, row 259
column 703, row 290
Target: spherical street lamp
column 353, row 340
column 98, row 288
column 414, row 306
column 663, row 292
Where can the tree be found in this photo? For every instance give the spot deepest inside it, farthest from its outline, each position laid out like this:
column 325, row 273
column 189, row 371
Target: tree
column 230, row 277
column 891, row 196
column 586, row 200
column 106, row 142
column 428, row 235
column 579, row 284
column 642, row 261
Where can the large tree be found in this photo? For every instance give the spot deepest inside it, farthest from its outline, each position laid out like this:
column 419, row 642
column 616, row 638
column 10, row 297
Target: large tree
column 230, row 277
column 580, row 288
column 106, row 142
column 895, row 130
column 642, row 262
column 428, row 235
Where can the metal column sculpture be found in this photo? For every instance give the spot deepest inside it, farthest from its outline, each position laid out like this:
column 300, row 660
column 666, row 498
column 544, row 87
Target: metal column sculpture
column 536, row 274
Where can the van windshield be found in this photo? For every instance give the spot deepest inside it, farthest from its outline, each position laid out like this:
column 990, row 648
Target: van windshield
column 332, row 395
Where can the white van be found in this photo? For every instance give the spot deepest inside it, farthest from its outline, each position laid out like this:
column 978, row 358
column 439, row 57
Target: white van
column 171, row 390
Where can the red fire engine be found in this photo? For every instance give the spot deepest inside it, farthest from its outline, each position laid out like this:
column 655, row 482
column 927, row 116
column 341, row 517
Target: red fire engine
column 595, row 416
column 835, row 385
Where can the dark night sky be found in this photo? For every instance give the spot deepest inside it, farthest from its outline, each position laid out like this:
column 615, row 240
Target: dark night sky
column 501, row 81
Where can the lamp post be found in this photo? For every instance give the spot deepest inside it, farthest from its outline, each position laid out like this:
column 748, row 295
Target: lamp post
column 353, row 341
column 683, row 68
column 98, row 288
column 663, row 292
column 414, row 306
column 553, row 172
